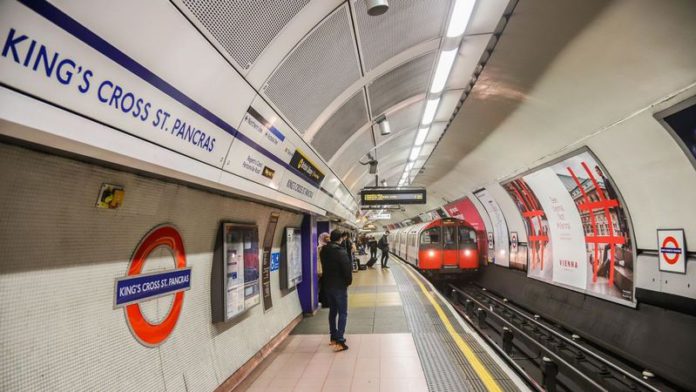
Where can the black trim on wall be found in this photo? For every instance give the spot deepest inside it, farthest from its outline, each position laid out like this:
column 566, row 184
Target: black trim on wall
column 667, row 301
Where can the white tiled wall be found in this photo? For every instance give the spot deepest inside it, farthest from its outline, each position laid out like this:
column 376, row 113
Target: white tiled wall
column 60, row 255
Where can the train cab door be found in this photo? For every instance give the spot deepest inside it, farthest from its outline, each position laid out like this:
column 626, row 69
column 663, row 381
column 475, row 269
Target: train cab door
column 450, row 244
column 429, row 254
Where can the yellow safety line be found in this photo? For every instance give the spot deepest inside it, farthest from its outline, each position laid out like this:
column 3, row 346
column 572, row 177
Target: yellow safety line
column 480, row 369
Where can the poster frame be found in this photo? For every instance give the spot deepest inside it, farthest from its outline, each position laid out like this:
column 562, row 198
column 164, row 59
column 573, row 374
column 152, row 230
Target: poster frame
column 284, row 260
column 223, row 226
column 634, row 251
column 660, row 117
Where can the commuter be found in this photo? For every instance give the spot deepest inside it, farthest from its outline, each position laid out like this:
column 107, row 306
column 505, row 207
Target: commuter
column 336, row 279
column 323, row 240
column 350, row 249
column 384, row 246
column 372, row 244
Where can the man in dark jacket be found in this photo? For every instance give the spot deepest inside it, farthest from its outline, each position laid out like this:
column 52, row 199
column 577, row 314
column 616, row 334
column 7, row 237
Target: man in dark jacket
column 372, row 244
column 336, row 278
column 384, row 246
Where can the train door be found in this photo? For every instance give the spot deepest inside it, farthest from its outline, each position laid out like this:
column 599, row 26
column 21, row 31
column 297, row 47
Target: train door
column 450, row 244
column 468, row 248
column 429, row 254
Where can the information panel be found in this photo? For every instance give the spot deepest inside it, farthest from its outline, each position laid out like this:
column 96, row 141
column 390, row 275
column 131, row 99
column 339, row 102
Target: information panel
column 390, row 196
column 577, row 227
column 241, row 265
column 291, row 265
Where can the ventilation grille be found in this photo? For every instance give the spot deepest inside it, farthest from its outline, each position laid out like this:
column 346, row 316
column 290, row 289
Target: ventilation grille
column 408, row 23
column 319, row 69
column 341, row 126
column 244, row 28
column 402, row 82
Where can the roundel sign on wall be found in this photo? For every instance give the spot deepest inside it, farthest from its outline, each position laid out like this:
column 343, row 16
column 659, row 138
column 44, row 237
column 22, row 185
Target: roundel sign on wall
column 671, row 249
column 137, row 287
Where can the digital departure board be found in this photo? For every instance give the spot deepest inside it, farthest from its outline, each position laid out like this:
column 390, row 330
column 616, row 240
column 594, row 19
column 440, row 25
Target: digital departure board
column 390, row 196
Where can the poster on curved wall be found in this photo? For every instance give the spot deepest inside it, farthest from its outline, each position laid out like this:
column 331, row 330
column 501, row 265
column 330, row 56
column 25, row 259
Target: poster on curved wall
column 500, row 231
column 577, row 227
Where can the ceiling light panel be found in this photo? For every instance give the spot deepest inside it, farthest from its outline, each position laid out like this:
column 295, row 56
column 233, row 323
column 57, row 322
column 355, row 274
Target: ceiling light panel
column 401, row 83
column 429, row 112
column 444, row 66
column 461, row 14
column 236, row 28
column 317, row 71
column 415, row 152
column 350, row 117
column 421, row 135
column 406, row 24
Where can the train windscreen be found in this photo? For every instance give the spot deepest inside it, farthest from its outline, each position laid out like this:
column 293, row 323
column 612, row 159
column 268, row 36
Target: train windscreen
column 467, row 238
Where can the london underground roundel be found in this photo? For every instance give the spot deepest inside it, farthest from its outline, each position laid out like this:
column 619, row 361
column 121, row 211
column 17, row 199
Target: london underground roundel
column 671, row 250
column 137, row 287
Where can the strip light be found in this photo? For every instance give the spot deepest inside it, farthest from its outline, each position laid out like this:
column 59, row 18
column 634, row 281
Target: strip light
column 444, row 66
column 414, row 153
column 460, row 17
column 430, row 109
column 420, row 137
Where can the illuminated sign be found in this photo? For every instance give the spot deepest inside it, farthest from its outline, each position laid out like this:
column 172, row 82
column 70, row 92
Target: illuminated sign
column 390, row 196
column 308, row 169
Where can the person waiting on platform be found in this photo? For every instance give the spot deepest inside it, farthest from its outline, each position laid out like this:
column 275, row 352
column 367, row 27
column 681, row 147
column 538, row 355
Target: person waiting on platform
column 324, row 239
column 384, row 247
column 336, row 278
column 372, row 244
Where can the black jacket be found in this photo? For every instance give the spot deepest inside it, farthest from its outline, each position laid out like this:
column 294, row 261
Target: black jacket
column 383, row 243
column 338, row 271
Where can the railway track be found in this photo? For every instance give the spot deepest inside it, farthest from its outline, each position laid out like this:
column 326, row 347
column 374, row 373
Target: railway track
column 546, row 355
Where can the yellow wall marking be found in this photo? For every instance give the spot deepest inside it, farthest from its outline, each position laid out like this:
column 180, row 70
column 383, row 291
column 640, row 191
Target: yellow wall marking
column 480, row 369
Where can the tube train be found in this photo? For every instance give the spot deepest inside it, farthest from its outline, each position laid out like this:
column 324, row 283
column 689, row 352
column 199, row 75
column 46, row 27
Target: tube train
column 442, row 247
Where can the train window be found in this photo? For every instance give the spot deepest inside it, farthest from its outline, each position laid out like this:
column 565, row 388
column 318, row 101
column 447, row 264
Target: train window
column 449, row 237
column 430, row 236
column 467, row 236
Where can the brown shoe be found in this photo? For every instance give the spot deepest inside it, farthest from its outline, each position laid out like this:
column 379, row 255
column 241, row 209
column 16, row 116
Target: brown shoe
column 340, row 346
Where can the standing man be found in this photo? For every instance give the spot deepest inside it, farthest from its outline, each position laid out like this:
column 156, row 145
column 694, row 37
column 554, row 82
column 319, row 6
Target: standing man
column 336, row 278
column 384, row 246
column 372, row 244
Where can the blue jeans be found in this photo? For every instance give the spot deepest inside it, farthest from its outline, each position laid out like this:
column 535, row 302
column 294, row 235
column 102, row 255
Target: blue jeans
column 338, row 306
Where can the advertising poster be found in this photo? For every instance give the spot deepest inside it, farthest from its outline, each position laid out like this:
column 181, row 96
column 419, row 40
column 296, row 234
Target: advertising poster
column 570, row 205
column 500, row 230
column 537, row 225
column 608, row 240
column 266, row 262
column 241, row 263
column 292, row 268
column 566, row 234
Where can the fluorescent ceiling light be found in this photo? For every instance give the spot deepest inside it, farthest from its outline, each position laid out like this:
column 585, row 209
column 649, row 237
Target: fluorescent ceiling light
column 420, row 137
column 444, row 66
column 409, row 166
column 430, row 109
column 460, row 17
column 414, row 153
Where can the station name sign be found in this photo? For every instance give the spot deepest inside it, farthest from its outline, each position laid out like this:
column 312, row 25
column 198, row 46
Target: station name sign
column 391, row 196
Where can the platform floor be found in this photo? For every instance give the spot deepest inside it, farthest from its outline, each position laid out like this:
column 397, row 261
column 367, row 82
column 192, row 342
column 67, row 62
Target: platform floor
column 402, row 337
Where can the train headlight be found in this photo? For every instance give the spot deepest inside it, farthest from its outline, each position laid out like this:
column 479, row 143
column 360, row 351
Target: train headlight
column 467, row 253
column 431, row 253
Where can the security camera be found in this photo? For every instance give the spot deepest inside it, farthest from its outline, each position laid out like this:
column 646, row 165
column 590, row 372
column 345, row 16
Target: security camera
column 376, row 7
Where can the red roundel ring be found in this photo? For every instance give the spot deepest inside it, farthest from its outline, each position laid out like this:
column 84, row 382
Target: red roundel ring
column 147, row 333
column 670, row 259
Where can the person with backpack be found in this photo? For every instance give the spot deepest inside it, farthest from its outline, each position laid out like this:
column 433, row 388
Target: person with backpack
column 336, row 278
column 384, row 247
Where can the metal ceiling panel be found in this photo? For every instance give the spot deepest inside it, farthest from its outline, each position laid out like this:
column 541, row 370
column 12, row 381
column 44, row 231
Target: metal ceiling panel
column 408, row 23
column 401, row 83
column 341, row 125
column 352, row 153
column 244, row 28
column 319, row 69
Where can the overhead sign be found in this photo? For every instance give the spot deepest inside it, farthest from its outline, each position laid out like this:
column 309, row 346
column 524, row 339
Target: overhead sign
column 378, row 207
column 382, row 216
column 671, row 248
column 136, row 287
column 391, row 196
